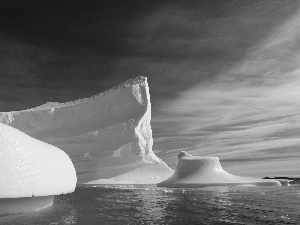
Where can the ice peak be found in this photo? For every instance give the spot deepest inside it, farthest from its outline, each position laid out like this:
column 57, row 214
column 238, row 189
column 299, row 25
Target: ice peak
column 182, row 154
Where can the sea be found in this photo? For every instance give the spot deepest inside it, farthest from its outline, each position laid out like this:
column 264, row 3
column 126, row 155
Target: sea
column 148, row 204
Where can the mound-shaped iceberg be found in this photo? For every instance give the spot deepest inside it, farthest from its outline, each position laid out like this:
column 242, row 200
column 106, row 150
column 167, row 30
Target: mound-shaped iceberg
column 31, row 172
column 107, row 136
column 193, row 171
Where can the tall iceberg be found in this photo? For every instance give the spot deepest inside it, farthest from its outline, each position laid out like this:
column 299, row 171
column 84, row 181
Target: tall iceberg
column 107, row 136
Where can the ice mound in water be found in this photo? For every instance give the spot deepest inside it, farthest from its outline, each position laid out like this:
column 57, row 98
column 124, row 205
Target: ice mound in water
column 193, row 171
column 29, row 167
column 108, row 136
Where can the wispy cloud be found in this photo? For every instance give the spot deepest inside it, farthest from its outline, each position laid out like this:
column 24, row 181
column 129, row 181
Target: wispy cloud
column 250, row 112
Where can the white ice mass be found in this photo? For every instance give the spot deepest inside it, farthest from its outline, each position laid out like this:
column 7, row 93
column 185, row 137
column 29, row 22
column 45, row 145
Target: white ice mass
column 107, row 136
column 31, row 172
column 194, row 171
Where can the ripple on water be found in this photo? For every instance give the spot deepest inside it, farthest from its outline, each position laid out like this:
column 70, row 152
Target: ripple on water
column 148, row 204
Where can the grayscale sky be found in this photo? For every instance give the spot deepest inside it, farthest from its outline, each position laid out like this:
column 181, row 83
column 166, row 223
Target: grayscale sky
column 223, row 74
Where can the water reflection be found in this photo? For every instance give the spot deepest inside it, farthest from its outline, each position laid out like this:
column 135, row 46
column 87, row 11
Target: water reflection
column 223, row 202
column 70, row 219
column 155, row 207
column 201, row 206
column 151, row 205
column 186, row 205
column 134, row 204
column 62, row 212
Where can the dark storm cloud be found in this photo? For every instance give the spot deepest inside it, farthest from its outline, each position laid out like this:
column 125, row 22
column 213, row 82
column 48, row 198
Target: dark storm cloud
column 66, row 50
column 63, row 50
column 69, row 24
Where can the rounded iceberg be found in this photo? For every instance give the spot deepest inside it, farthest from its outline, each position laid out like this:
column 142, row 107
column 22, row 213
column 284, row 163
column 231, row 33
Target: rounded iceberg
column 31, row 172
column 194, row 171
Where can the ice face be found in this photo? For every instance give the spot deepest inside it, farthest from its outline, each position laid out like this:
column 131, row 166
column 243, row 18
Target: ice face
column 108, row 136
column 24, row 205
column 193, row 171
column 29, row 167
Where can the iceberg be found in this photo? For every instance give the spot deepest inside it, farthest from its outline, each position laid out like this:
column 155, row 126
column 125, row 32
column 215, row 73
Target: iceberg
column 107, row 136
column 31, row 172
column 194, row 171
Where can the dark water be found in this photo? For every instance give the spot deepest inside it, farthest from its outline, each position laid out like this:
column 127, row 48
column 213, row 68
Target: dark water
column 151, row 205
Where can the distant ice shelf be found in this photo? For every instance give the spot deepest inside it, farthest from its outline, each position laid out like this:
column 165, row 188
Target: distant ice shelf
column 194, row 171
column 107, row 136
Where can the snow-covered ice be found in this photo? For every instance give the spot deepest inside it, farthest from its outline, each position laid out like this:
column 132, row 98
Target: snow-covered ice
column 194, row 171
column 108, row 136
column 31, row 172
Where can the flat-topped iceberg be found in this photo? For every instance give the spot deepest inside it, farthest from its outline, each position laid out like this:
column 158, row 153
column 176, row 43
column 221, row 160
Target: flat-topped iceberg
column 31, row 172
column 193, row 171
column 108, row 136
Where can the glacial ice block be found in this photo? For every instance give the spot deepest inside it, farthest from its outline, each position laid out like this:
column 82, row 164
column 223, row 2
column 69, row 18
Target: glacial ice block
column 193, row 171
column 107, row 136
column 31, row 172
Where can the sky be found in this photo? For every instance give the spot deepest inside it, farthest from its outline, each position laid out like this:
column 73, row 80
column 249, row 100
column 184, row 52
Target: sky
column 223, row 74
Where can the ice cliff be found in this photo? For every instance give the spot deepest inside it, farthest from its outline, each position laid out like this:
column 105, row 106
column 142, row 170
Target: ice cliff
column 108, row 136
column 194, row 171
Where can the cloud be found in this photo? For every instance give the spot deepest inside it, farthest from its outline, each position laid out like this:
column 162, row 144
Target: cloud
column 250, row 112
column 223, row 75
column 284, row 167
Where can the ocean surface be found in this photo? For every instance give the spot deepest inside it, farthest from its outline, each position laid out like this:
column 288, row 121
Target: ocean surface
column 136, row 204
